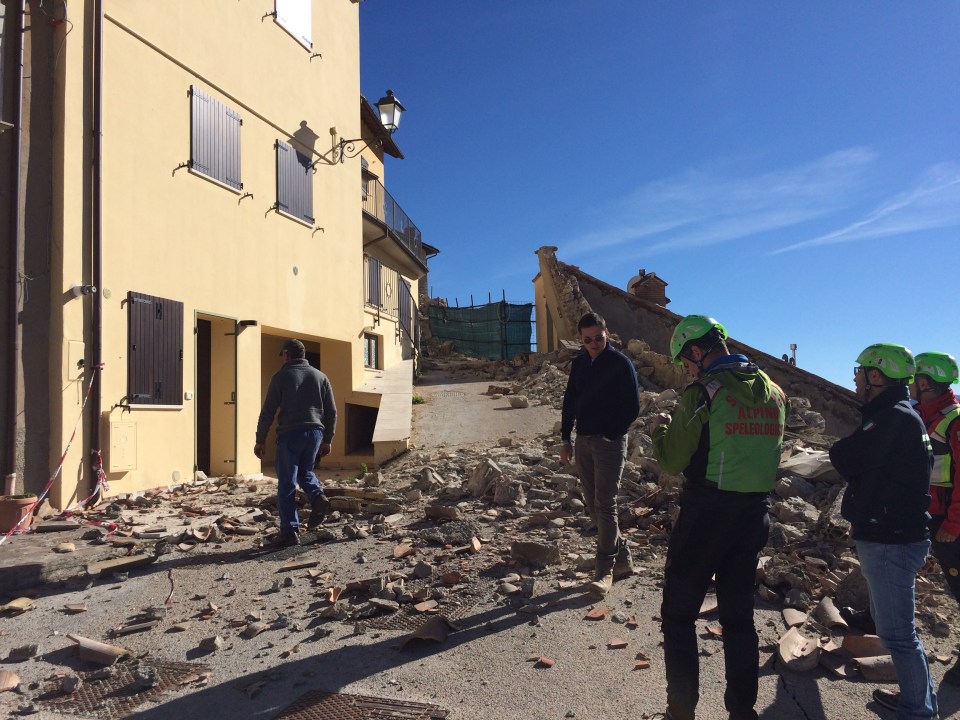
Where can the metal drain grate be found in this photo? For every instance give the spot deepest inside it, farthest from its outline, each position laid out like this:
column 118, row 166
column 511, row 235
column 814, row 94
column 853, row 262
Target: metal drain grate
column 448, row 394
column 118, row 695
column 411, row 620
column 339, row 706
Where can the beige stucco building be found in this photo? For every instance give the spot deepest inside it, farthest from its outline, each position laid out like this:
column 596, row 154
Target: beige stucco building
column 180, row 203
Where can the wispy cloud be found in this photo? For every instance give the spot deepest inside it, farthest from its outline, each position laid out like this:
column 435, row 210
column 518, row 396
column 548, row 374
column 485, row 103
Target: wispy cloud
column 935, row 202
column 699, row 208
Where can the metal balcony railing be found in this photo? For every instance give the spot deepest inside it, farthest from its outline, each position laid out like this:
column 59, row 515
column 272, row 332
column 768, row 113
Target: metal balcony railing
column 380, row 204
column 385, row 290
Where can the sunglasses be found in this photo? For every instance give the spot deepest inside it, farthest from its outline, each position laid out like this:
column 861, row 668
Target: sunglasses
column 595, row 339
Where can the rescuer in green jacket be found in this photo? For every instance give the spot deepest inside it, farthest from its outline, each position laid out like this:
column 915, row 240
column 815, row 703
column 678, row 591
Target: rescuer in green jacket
column 725, row 438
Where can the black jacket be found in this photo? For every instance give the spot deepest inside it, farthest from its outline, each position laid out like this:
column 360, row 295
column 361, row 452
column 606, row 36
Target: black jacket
column 887, row 463
column 602, row 396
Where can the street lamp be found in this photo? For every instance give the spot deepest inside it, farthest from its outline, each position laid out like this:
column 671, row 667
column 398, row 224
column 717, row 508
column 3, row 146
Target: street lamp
column 390, row 111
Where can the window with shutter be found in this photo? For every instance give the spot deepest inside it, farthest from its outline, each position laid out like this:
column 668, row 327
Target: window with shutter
column 294, row 16
column 373, row 282
column 154, row 351
column 214, row 139
column 294, row 183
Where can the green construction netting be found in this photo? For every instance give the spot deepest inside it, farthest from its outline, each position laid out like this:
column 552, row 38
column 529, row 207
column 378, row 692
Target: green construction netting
column 496, row 331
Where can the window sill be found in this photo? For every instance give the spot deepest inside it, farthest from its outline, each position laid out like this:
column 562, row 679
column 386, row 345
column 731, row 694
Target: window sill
column 154, row 407
column 216, row 182
column 301, row 221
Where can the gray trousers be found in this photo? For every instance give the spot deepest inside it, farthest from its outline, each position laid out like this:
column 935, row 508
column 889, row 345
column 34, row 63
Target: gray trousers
column 600, row 464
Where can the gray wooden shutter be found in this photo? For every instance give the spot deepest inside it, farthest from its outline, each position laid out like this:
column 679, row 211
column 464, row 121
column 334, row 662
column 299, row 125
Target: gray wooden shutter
column 294, row 183
column 373, row 282
column 405, row 305
column 215, row 139
column 155, row 350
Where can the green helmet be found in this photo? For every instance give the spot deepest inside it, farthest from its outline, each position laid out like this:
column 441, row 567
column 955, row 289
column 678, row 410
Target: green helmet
column 894, row 361
column 692, row 327
column 938, row 366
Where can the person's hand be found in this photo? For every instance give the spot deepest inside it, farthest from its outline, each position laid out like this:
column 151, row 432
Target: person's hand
column 661, row 419
column 566, row 454
column 944, row 536
column 324, row 449
column 258, row 450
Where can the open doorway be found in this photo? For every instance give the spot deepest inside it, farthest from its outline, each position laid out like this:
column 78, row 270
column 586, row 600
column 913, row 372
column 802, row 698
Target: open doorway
column 216, row 399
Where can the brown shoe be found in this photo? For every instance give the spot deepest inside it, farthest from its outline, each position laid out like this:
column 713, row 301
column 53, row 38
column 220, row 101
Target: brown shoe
column 624, row 566
column 952, row 676
column 602, row 585
column 318, row 511
column 283, row 540
column 889, row 699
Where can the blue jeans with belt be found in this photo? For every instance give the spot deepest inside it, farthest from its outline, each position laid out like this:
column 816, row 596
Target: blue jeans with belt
column 891, row 573
column 600, row 463
column 296, row 454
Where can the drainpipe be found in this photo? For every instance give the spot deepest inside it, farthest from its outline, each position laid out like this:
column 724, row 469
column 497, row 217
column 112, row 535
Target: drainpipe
column 97, row 244
column 16, row 242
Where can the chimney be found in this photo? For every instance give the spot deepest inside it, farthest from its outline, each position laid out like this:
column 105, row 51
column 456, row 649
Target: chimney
column 649, row 288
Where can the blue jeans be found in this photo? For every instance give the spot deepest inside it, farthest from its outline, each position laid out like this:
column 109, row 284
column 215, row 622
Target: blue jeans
column 296, row 453
column 891, row 572
column 600, row 464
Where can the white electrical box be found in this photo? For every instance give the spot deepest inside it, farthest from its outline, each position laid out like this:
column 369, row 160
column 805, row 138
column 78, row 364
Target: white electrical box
column 123, row 447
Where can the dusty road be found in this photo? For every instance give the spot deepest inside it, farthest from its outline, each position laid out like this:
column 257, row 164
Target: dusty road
column 459, row 413
column 483, row 671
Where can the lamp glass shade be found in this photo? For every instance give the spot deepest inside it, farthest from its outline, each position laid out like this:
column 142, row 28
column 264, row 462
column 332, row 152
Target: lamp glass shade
column 390, row 111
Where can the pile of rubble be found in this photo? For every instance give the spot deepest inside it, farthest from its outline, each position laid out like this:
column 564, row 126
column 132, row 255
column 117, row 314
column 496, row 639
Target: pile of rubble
column 809, row 563
column 500, row 524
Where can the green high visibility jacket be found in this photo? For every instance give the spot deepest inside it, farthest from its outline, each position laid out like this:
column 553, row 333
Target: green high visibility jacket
column 727, row 429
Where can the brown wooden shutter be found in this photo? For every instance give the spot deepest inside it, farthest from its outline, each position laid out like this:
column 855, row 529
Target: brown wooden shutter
column 155, row 350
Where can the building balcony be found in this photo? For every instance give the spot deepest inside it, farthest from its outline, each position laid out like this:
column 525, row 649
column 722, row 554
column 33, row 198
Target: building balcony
column 389, row 234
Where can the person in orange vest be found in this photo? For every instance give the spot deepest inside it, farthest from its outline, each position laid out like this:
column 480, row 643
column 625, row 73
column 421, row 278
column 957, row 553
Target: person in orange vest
column 940, row 410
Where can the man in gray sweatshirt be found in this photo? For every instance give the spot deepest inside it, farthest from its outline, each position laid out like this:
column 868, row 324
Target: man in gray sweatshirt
column 307, row 423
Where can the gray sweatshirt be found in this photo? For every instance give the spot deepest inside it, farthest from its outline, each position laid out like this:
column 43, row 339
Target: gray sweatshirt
column 305, row 399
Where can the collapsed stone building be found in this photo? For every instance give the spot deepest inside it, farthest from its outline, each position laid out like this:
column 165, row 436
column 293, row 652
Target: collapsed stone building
column 564, row 293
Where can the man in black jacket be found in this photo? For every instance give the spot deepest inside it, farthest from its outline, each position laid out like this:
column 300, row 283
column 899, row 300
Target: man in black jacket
column 602, row 399
column 307, row 422
column 887, row 463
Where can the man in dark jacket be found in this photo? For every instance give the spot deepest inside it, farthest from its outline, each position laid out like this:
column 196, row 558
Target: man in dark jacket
column 725, row 436
column 307, row 423
column 887, row 462
column 602, row 399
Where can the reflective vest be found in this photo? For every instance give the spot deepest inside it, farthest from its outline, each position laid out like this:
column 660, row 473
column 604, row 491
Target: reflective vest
column 745, row 440
column 943, row 461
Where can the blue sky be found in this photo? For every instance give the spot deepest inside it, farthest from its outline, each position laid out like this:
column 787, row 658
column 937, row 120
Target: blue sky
column 790, row 168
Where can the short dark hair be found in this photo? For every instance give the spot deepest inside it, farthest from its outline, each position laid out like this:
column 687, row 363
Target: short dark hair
column 709, row 342
column 592, row 319
column 294, row 348
column 889, row 380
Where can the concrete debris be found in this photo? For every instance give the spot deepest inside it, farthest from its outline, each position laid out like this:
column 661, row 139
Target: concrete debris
column 535, row 554
column 69, row 684
column 15, row 607
column 24, row 652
